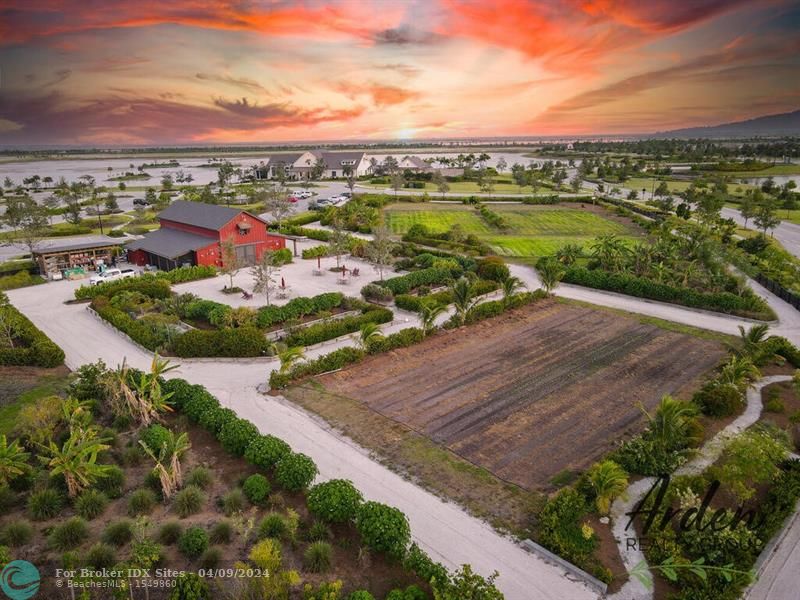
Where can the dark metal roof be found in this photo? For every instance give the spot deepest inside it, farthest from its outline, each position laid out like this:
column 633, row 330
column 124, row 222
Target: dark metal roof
column 50, row 248
column 335, row 159
column 200, row 214
column 170, row 243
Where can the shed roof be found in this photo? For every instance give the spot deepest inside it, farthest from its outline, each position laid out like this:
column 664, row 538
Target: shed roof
column 75, row 246
column 170, row 243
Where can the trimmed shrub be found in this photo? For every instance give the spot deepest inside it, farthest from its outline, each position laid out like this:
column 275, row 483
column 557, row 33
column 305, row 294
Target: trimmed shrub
column 147, row 284
column 493, row 268
column 383, row 528
column 118, row 533
column 560, row 526
column 221, row 532
column 69, row 534
column 188, row 273
column 233, row 502
column 193, row 542
column 32, row 347
column 316, row 251
column 334, row 501
column 266, row 451
column 113, row 484
column 91, row 504
column 402, row 339
column 213, row 420
column 45, row 504
column 190, row 586
column 189, row 500
column 199, row 477
column 101, row 556
column 317, row 557
column 719, row 399
column 227, row 342
column 295, row 472
column 327, row 362
column 328, row 330
column 141, row 502
column 256, row 488
column 236, row 435
column 16, row 534
column 376, row 293
column 169, row 533
column 298, row 308
column 155, row 436
column 198, row 402
column 403, row 284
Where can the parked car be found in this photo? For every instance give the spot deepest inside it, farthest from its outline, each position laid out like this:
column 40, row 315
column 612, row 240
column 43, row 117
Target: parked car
column 140, row 202
column 111, row 275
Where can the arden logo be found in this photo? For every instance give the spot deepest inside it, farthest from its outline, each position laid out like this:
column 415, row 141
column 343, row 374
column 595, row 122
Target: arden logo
column 20, row 580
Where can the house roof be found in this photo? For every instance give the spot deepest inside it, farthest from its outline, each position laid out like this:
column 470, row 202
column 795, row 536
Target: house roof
column 170, row 243
column 335, row 159
column 48, row 247
column 414, row 162
column 199, row 214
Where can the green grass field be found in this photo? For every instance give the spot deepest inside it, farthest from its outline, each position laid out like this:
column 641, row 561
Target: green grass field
column 502, row 185
column 534, row 231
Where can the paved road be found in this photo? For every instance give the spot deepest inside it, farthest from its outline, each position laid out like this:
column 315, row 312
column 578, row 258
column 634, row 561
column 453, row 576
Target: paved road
column 445, row 531
column 788, row 234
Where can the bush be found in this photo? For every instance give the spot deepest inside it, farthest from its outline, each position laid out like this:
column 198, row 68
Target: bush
column 32, row 347
column 101, row 556
column 228, row 342
column 189, row 273
column 221, row 533
column 560, row 526
column 198, row 402
column 266, row 451
column 190, row 586
column 273, row 525
column 718, row 399
column 295, row 472
column 383, row 528
column 493, row 268
column 199, row 477
column 317, row 557
column 141, row 502
column 213, row 420
column 155, row 436
column 45, row 504
column 7, row 499
column 69, row 534
column 16, row 534
column 189, row 500
column 328, row 330
column 402, row 339
column 403, row 284
column 376, row 293
column 319, row 531
column 112, row 485
column 236, row 435
column 316, row 251
column 91, row 504
column 193, row 542
column 334, row 501
column 169, row 533
column 147, row 284
column 211, row 558
column 118, row 533
column 298, row 308
column 19, row 280
column 256, row 488
column 233, row 502
column 643, row 456
column 327, row 362
column 423, row 566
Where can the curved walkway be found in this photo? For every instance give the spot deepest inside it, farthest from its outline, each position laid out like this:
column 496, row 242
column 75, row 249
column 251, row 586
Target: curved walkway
column 633, row 589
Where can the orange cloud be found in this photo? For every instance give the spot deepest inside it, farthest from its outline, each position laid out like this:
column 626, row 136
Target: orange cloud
column 382, row 95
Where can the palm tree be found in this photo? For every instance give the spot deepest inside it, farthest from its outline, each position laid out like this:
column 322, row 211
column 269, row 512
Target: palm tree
column 511, row 285
column 609, row 251
column 462, row 293
column 13, row 460
column 740, row 372
column 567, row 255
column 168, row 460
column 76, row 460
column 751, row 341
column 289, row 357
column 428, row 313
column 550, row 273
column 141, row 399
column 368, row 333
column 609, row 481
column 672, row 422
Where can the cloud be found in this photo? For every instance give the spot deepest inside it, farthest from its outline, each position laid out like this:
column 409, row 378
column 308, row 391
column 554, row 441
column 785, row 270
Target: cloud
column 240, row 82
column 405, row 35
column 53, row 118
column 382, row 95
column 403, row 69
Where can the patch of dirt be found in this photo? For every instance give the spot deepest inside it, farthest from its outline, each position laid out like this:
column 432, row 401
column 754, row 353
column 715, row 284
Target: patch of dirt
column 785, row 413
column 534, row 392
column 15, row 381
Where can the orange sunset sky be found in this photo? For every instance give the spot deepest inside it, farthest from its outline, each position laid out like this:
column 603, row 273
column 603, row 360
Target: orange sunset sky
column 89, row 72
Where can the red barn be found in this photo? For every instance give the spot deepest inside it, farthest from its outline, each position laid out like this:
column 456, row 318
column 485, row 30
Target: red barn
column 191, row 233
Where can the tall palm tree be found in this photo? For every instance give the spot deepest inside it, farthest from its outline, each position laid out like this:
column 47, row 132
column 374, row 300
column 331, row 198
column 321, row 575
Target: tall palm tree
column 550, row 273
column 289, row 357
column 76, row 459
column 462, row 293
column 428, row 313
column 13, row 460
column 609, row 481
column 168, row 460
column 511, row 285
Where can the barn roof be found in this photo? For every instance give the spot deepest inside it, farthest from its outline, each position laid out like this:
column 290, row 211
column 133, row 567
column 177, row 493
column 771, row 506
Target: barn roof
column 200, row 214
column 170, row 243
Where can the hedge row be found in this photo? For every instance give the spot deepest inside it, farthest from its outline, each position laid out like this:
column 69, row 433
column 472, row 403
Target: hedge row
column 300, row 220
column 403, row 284
column 414, row 303
column 298, row 308
column 18, row 280
column 236, row 342
column 348, row 355
column 33, row 348
column 493, row 308
column 147, row 284
column 328, row 330
column 316, row 251
column 748, row 304
column 136, row 330
column 184, row 274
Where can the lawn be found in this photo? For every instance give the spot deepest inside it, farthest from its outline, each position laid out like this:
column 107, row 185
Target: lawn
column 502, row 185
column 674, row 186
column 534, row 230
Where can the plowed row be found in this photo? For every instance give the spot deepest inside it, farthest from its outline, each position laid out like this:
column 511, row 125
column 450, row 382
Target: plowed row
column 543, row 389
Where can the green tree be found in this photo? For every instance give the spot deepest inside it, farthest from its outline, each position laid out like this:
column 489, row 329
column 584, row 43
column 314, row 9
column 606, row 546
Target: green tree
column 76, row 459
column 511, row 286
column 13, row 461
column 463, row 296
column 551, row 271
column 464, row 584
column 397, row 182
column 609, row 481
column 610, row 251
column 766, row 215
column 440, row 182
column 747, row 208
column 231, row 264
column 752, row 458
column 378, row 251
column 369, row 332
column 264, row 272
column 428, row 314
column 290, row 357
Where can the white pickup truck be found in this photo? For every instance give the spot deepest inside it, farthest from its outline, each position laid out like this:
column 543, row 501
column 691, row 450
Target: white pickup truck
column 111, row 275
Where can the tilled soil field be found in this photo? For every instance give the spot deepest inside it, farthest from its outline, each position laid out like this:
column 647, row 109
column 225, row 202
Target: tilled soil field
column 539, row 390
